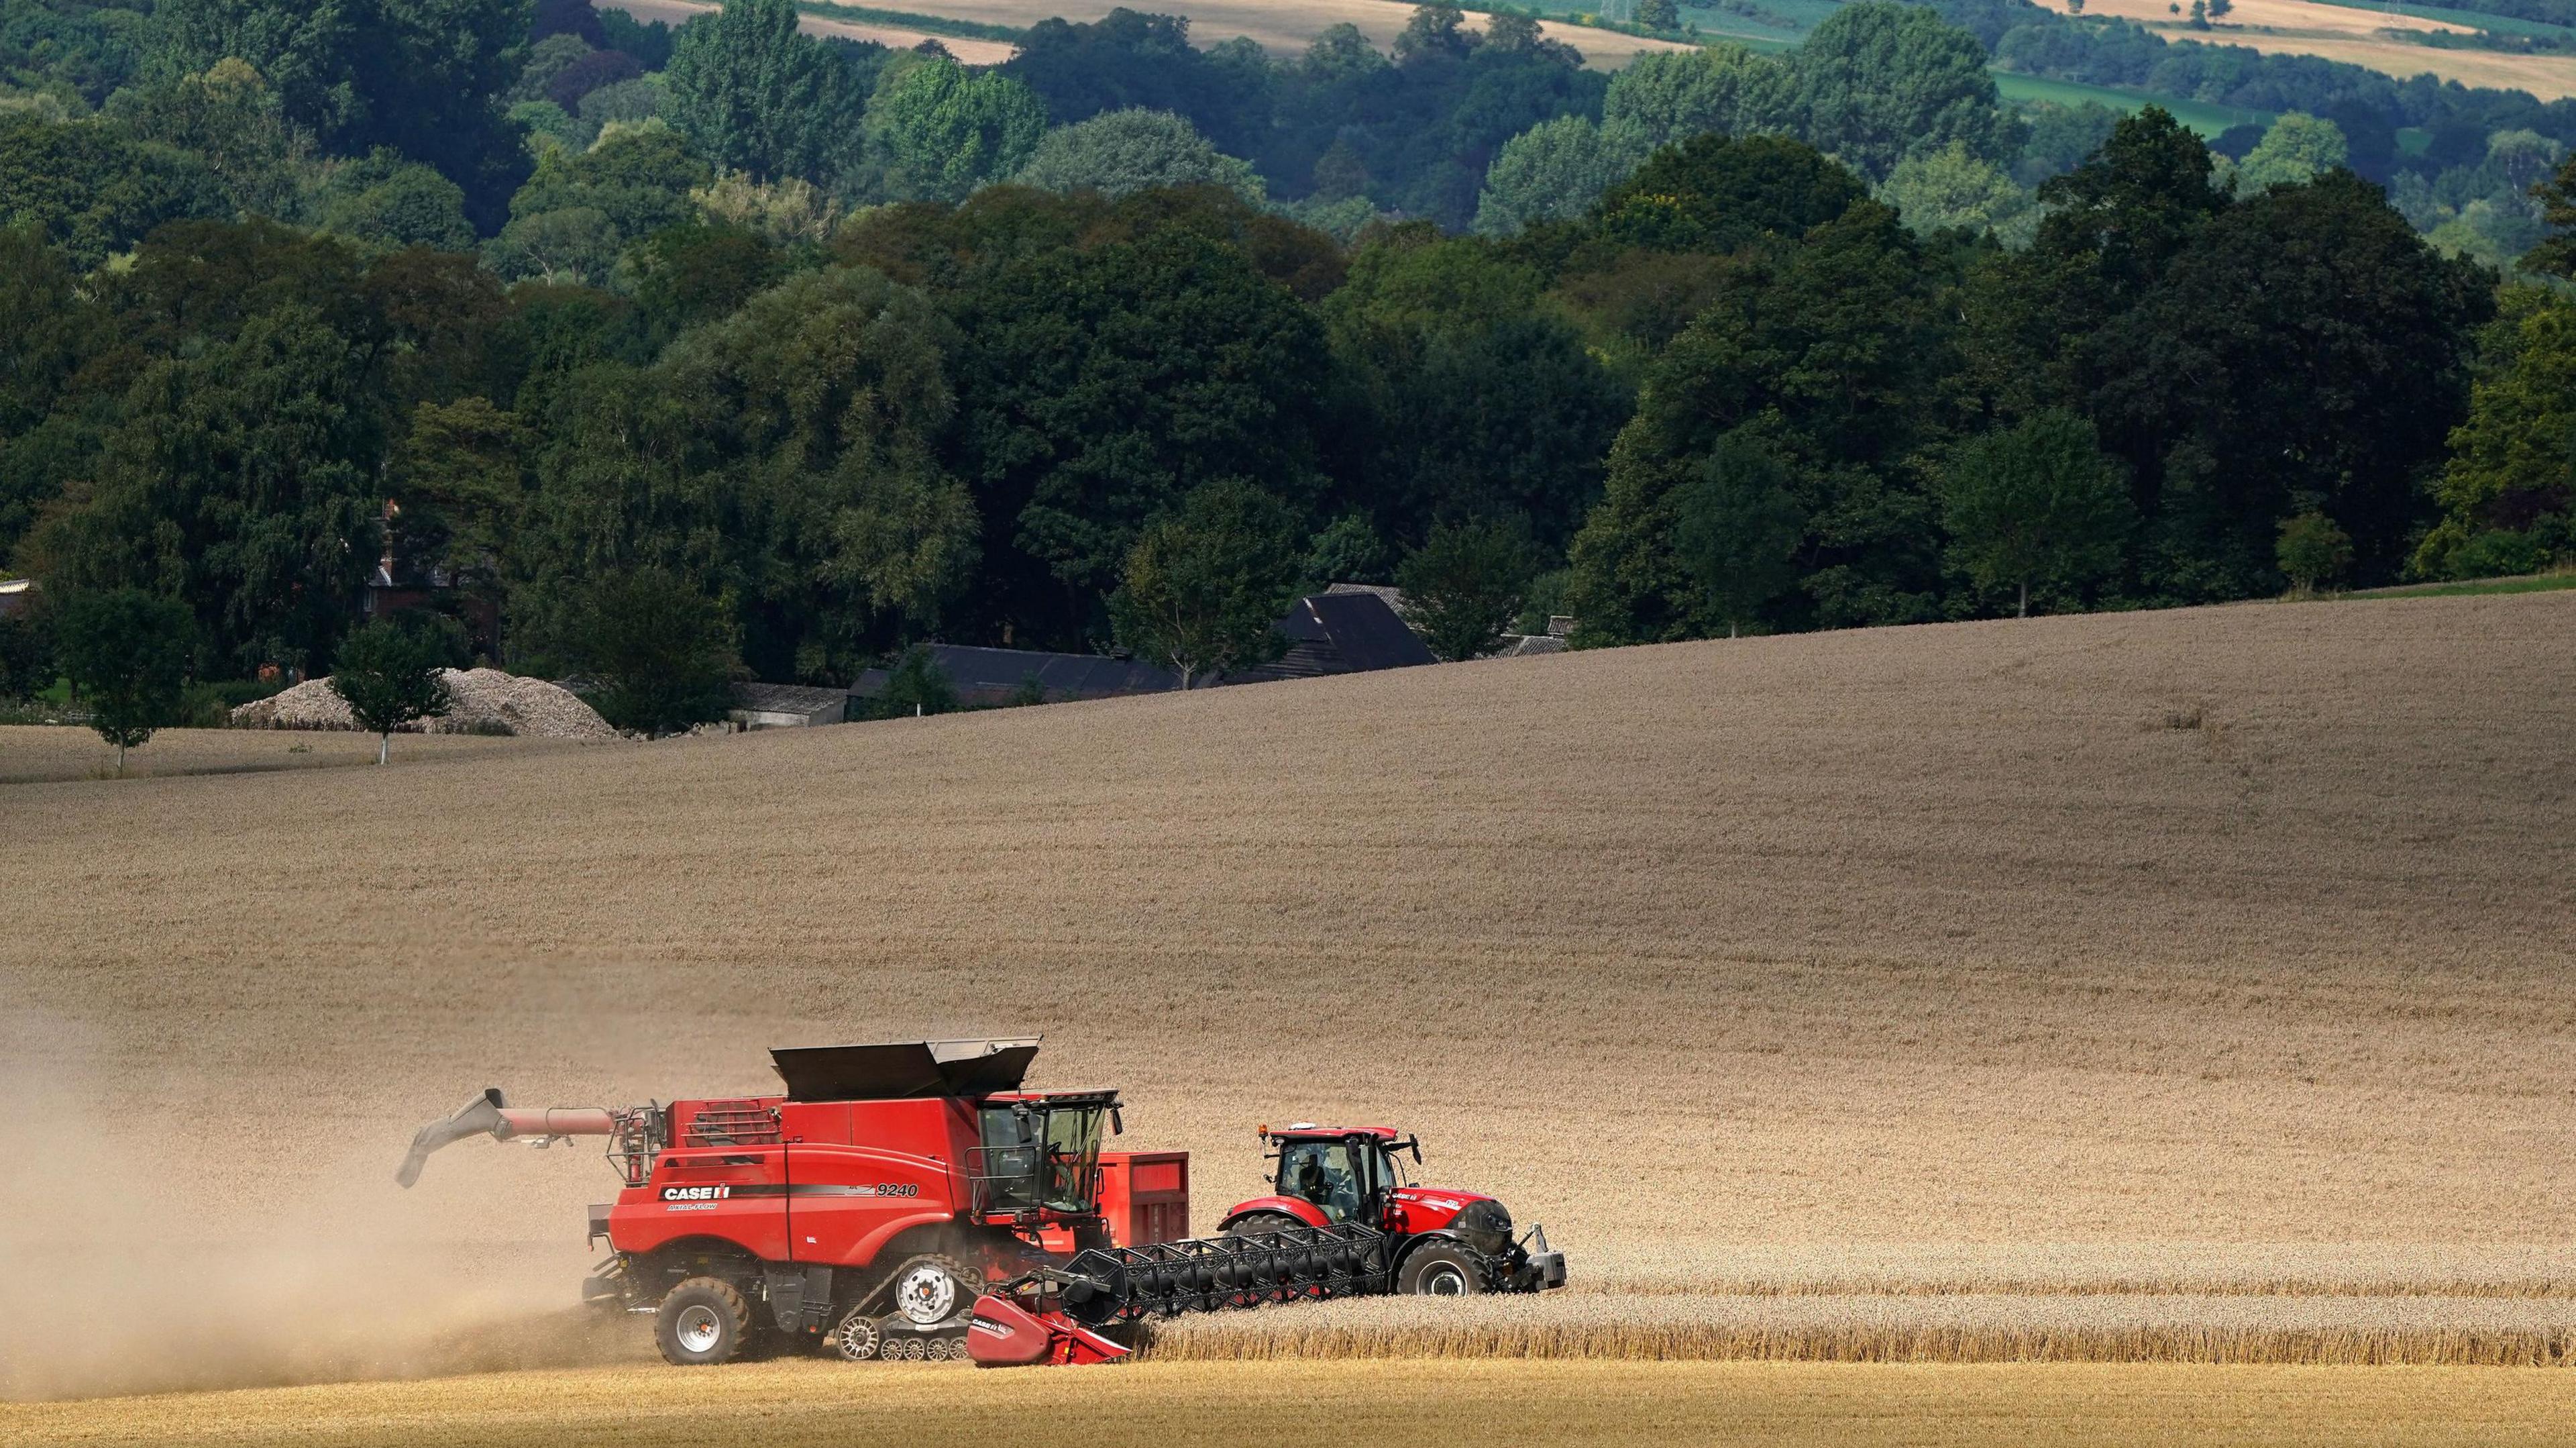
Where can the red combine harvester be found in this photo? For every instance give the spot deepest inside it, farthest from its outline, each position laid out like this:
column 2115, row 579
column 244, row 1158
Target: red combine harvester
column 910, row 1201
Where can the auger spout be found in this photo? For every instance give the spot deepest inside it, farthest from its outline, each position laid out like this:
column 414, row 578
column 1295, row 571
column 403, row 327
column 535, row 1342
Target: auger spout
column 490, row 1115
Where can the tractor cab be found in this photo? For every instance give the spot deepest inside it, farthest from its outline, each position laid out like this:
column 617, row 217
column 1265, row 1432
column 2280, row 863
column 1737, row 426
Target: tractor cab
column 1345, row 1174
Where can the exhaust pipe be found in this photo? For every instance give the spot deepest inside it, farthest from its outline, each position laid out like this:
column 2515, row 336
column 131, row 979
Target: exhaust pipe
column 490, row 1115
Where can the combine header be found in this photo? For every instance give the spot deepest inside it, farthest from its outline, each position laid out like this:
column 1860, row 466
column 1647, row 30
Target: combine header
column 911, row 1201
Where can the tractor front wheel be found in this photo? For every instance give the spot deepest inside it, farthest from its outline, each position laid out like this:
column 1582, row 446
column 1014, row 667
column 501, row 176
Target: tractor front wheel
column 1443, row 1269
column 1262, row 1222
column 703, row 1322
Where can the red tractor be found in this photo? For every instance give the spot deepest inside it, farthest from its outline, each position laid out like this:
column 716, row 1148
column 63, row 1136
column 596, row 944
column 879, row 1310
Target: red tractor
column 1448, row 1243
column 909, row 1200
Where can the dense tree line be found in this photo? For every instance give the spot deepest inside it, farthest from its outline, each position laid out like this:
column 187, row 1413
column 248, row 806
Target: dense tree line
column 805, row 353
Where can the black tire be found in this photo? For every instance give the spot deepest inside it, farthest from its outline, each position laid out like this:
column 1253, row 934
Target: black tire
column 1252, row 1222
column 702, row 1323
column 1444, row 1269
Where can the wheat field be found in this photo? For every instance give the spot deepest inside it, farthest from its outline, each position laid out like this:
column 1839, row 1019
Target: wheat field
column 2189, row 985
column 2372, row 39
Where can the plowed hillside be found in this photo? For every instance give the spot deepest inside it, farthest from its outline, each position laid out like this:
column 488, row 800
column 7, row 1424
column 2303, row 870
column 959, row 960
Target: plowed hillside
column 2214, row 950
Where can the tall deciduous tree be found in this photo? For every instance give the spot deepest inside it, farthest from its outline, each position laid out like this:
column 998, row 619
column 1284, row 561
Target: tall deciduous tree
column 945, row 130
column 1877, row 82
column 126, row 652
column 2035, row 504
column 757, row 96
column 1663, row 98
column 1465, row 585
column 1204, row 587
column 656, row 648
column 1553, row 171
column 389, row 676
column 243, row 479
column 1119, row 152
column 1736, row 532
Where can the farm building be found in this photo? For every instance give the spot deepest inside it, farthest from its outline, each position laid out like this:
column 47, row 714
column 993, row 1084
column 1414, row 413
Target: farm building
column 1341, row 633
column 991, row 676
column 787, row 706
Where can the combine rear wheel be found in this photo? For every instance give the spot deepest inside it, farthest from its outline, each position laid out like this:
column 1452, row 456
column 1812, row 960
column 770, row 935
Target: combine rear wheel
column 703, row 1322
column 1443, row 1269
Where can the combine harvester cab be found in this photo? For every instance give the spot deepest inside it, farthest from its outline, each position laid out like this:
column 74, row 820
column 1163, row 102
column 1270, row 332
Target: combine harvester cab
column 869, row 1207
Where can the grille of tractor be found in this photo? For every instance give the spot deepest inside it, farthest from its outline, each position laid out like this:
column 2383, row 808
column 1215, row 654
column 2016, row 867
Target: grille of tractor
column 732, row 1123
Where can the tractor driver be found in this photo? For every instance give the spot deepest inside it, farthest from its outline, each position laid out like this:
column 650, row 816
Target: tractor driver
column 1322, row 1175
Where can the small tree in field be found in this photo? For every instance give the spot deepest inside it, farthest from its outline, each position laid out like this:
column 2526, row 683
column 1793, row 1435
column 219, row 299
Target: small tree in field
column 390, row 676
column 1464, row 586
column 127, row 653
column 2035, row 504
column 1205, row 586
column 2313, row 552
column 917, row 685
column 1737, row 531
column 1659, row 14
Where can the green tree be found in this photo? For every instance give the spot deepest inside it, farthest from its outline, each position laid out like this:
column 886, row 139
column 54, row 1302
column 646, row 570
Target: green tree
column 1878, row 81
column 92, row 188
column 1479, row 400
column 2312, row 551
column 1464, row 586
column 1666, row 97
column 2035, row 504
column 228, row 118
column 1659, row 14
column 1736, row 532
column 917, row 686
column 1950, row 189
column 1553, row 171
column 1204, row 587
column 242, row 478
column 2297, row 147
column 2513, row 460
column 656, row 648
column 945, row 131
column 389, row 676
column 424, row 77
column 391, row 202
column 1119, row 152
column 126, row 653
column 1102, row 386
column 757, row 96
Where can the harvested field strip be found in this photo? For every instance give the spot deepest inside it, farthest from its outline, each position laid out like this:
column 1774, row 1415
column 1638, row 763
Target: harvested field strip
column 1983, row 1329
column 809, row 1404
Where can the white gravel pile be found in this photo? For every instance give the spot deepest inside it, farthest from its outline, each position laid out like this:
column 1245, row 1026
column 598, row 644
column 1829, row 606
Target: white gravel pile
column 479, row 701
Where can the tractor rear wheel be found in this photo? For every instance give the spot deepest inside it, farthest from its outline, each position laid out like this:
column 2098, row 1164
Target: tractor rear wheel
column 1261, row 1222
column 1443, row 1269
column 703, row 1322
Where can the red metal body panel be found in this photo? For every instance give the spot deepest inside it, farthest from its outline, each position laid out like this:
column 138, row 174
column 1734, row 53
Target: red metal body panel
column 736, row 1193
column 1298, row 1207
column 1428, row 1209
column 1146, row 1196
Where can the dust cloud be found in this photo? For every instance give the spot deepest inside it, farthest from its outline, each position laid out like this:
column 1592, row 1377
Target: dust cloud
column 120, row 1276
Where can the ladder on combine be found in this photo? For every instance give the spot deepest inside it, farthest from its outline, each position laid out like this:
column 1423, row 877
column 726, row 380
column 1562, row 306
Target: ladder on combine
column 1057, row 1315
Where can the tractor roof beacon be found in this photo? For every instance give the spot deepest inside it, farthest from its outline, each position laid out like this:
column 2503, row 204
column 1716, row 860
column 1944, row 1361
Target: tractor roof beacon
column 911, row 1200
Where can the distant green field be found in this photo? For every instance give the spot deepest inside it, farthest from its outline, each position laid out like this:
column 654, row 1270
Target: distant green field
column 2201, row 116
column 2528, row 583
column 2499, row 24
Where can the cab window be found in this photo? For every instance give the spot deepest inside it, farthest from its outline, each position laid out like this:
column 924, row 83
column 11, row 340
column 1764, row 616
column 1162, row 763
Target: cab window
column 1323, row 1173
